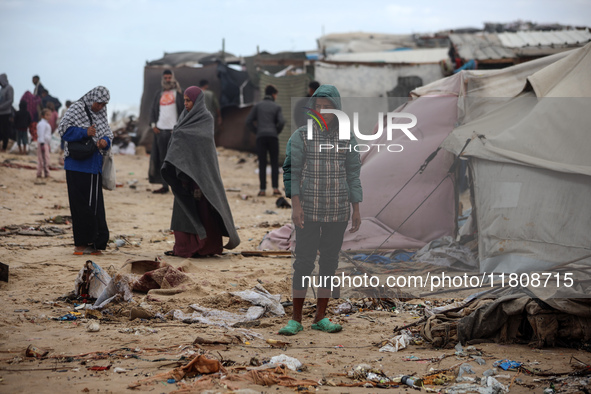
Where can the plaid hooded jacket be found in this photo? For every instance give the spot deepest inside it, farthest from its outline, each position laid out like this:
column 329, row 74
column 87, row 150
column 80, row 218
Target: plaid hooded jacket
column 327, row 181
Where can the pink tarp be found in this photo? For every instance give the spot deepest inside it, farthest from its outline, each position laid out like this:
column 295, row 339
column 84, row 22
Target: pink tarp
column 384, row 173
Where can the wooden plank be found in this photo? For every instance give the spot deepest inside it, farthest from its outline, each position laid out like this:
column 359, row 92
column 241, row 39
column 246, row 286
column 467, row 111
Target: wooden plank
column 266, row 253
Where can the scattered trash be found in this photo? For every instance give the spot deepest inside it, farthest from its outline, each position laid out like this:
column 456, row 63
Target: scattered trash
column 91, row 280
column 141, row 330
column 166, row 277
column 269, row 212
column 410, row 381
column 214, row 317
column 139, row 313
column 397, row 343
column 260, row 296
column 70, row 316
column 119, row 370
column 292, row 363
column 93, row 326
column 465, row 368
column 98, row 368
column 344, row 308
column 59, row 219
column 34, row 351
column 119, row 286
column 507, row 364
column 489, row 372
column 277, row 343
column 92, row 314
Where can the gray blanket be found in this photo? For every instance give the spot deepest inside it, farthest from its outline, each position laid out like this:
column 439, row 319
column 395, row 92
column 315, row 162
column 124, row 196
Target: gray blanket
column 192, row 155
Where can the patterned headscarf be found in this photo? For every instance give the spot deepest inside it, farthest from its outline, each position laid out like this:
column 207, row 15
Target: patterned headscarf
column 76, row 115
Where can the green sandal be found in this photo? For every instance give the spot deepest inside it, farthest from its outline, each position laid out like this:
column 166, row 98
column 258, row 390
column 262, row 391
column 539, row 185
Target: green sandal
column 292, row 328
column 326, row 326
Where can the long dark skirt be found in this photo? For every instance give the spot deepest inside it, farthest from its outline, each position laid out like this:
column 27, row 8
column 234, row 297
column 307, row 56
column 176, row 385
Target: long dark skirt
column 190, row 245
column 89, row 222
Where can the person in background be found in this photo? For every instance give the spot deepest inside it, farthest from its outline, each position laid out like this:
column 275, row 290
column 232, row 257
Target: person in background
column 201, row 215
column 325, row 191
column 22, row 122
column 63, row 112
column 6, row 99
column 266, row 121
column 62, row 142
column 32, row 103
column 54, row 116
column 85, row 118
column 39, row 88
column 46, row 99
column 43, row 141
column 300, row 112
column 166, row 108
column 211, row 102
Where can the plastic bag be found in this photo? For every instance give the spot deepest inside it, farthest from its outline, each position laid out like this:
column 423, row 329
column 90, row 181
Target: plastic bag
column 109, row 179
column 91, row 280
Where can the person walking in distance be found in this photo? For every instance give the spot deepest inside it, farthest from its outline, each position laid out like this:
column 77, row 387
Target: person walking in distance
column 266, row 121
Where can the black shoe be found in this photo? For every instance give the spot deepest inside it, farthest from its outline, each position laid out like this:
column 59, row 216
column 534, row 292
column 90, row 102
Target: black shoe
column 162, row 190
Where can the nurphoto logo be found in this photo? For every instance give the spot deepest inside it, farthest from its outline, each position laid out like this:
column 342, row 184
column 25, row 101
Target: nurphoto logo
column 345, row 129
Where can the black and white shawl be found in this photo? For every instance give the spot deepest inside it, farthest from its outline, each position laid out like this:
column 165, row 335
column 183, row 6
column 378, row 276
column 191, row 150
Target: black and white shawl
column 76, row 115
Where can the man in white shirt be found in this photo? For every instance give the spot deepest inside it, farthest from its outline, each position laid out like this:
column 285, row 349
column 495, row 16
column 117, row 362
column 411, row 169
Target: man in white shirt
column 166, row 108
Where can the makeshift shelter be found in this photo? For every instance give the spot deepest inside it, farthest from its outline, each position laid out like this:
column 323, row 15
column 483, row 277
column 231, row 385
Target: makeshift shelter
column 497, row 50
column 233, row 88
column 377, row 73
column 531, row 168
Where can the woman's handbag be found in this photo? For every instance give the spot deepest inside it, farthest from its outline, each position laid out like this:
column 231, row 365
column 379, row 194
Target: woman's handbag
column 109, row 181
column 83, row 149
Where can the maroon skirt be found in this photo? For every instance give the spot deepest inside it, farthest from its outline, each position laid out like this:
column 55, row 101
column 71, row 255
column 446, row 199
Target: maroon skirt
column 190, row 245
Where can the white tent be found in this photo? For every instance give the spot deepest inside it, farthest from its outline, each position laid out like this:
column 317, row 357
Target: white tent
column 530, row 160
column 439, row 107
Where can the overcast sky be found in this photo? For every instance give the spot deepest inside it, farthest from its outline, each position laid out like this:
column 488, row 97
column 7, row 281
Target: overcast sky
column 74, row 45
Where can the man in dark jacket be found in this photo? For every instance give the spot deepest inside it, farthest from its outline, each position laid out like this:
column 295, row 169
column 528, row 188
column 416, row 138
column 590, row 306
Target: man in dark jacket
column 166, row 108
column 266, row 120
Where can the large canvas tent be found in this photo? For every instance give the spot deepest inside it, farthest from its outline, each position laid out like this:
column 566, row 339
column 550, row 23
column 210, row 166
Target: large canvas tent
column 439, row 107
column 531, row 169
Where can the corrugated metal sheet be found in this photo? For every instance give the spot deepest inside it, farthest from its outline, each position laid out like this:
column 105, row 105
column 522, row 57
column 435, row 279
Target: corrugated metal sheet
column 545, row 38
column 414, row 56
column 480, row 46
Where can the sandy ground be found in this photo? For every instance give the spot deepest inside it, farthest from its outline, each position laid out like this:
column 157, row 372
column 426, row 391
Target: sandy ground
column 43, row 268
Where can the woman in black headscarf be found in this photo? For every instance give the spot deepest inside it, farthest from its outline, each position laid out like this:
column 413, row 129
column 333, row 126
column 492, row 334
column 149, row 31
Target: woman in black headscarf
column 201, row 215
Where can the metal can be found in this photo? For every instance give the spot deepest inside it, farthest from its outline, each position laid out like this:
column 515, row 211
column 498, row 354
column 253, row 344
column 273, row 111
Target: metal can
column 34, row 351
